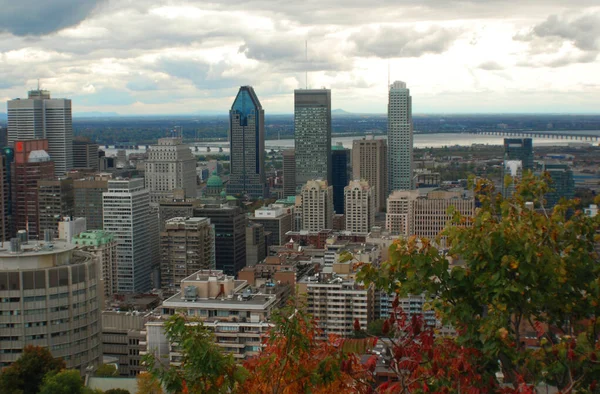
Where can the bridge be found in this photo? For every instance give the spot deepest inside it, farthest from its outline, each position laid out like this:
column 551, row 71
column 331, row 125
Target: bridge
column 589, row 136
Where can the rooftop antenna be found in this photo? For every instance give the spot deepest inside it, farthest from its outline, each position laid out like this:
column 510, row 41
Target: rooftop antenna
column 306, row 58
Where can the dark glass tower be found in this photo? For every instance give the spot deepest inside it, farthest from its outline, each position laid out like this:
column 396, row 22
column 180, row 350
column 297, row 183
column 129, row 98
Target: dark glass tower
column 247, row 145
column 519, row 149
column 339, row 168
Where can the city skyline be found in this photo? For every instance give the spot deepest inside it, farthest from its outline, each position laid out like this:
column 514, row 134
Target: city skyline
column 537, row 57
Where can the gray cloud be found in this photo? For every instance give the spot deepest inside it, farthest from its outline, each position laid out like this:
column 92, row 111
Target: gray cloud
column 202, row 75
column 34, row 17
column 490, row 66
column 583, row 32
column 393, row 41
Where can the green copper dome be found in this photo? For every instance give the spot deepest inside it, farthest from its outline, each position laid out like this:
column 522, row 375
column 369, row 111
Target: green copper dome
column 214, row 180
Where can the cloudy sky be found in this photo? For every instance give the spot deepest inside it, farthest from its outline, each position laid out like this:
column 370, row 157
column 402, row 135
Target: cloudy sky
column 181, row 57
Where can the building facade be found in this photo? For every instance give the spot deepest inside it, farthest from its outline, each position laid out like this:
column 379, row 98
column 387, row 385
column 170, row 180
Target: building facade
column 124, row 340
column 562, row 185
column 340, row 171
column 289, row 172
column 400, row 138
column 247, row 145
column 88, row 199
column 317, row 206
column 41, row 117
column 85, row 155
column 360, row 207
column 55, row 201
column 312, row 135
column 519, row 149
column 369, row 162
column 256, row 250
column 176, row 207
column 276, row 220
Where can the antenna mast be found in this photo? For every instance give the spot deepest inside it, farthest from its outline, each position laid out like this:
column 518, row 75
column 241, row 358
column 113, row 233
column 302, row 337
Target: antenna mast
column 306, row 58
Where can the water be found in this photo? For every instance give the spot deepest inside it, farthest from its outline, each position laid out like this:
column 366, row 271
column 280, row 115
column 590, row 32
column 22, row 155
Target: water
column 419, row 141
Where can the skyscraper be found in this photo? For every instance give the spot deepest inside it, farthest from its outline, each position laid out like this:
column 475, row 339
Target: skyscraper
column 340, row 157
column 519, row 149
column 171, row 165
column 289, row 172
column 360, row 207
column 317, row 206
column 247, row 145
column 88, row 200
column 312, row 135
column 400, row 138
column 126, row 207
column 562, row 185
column 40, row 117
column 85, row 154
column 55, row 201
column 369, row 162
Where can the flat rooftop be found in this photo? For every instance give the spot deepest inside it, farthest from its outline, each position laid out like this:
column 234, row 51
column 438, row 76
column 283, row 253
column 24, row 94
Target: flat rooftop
column 36, row 248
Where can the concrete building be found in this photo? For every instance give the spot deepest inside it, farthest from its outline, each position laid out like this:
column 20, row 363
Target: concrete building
column 51, row 295
column 32, row 164
column 275, row 219
column 103, row 245
column 312, row 135
column 317, row 206
column 176, row 207
column 55, row 201
column 6, row 221
column 360, row 207
column 230, row 235
column 256, row 250
column 85, row 155
column 124, row 340
column 289, row 172
column 70, row 227
column 247, row 145
column 187, row 245
column 88, row 199
column 400, row 138
column 369, row 162
column 40, row 117
column 340, row 160
column 126, row 209
column 170, row 165
column 237, row 314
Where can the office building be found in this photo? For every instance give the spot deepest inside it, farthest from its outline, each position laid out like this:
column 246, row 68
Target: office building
column 562, row 185
column 31, row 164
column 312, row 135
column 85, row 154
column 519, row 149
column 369, row 162
column 170, row 165
column 51, row 295
column 289, row 172
column 400, row 138
column 256, row 250
column 230, row 235
column 247, row 145
column 5, row 196
column 88, row 199
column 124, row 340
column 187, row 245
column 69, row 227
column 41, row 117
column 276, row 220
column 176, row 207
column 317, row 206
column 126, row 210
column 340, row 159
column 55, row 201
column 360, row 207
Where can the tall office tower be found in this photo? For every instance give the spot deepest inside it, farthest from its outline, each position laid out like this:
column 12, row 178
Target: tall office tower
column 187, row 245
column 563, row 185
column 3, row 137
column 256, row 250
column 5, row 199
column 340, row 160
column 247, row 145
column 360, row 207
column 103, row 245
column 230, row 235
column 275, row 219
column 289, row 172
column 369, row 162
column 40, row 117
column 126, row 211
column 88, row 199
column 519, row 149
column 312, row 135
column 85, row 154
column 317, row 206
column 170, row 165
column 51, row 298
column 175, row 207
column 55, row 201
column 400, row 138
column 32, row 164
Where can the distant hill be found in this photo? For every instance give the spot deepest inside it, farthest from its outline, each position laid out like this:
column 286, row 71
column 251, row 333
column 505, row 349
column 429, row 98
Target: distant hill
column 340, row 111
column 95, row 114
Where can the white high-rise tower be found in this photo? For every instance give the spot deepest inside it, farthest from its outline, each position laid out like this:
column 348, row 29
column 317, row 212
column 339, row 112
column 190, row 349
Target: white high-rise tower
column 400, row 138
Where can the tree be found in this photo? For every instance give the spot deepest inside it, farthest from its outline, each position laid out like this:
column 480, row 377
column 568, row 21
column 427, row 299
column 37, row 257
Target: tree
column 107, row 370
column 63, row 382
column 148, row 384
column 117, row 391
column 520, row 272
column 27, row 373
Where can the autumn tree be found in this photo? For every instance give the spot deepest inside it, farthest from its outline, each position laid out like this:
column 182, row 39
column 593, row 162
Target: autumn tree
column 26, row 374
column 148, row 384
column 519, row 271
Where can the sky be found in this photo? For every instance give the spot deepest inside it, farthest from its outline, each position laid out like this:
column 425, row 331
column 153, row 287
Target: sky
column 185, row 57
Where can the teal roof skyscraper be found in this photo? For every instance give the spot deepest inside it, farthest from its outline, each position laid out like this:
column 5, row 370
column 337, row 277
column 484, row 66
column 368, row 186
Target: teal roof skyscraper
column 247, row 145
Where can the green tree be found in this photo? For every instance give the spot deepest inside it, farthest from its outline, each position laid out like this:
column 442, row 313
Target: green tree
column 106, row 371
column 516, row 270
column 27, row 373
column 64, row 382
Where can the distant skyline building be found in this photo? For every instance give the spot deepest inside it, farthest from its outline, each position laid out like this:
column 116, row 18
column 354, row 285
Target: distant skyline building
column 563, row 184
column 340, row 171
column 85, row 155
column 312, row 135
column 55, row 201
column 247, row 145
column 88, row 199
column 519, row 149
column 289, row 172
column 369, row 162
column 317, row 206
column 400, row 138
column 360, row 206
column 41, row 117
column 171, row 165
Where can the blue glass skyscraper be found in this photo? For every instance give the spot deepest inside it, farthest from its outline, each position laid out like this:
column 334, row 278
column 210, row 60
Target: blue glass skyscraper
column 247, row 145
column 339, row 169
